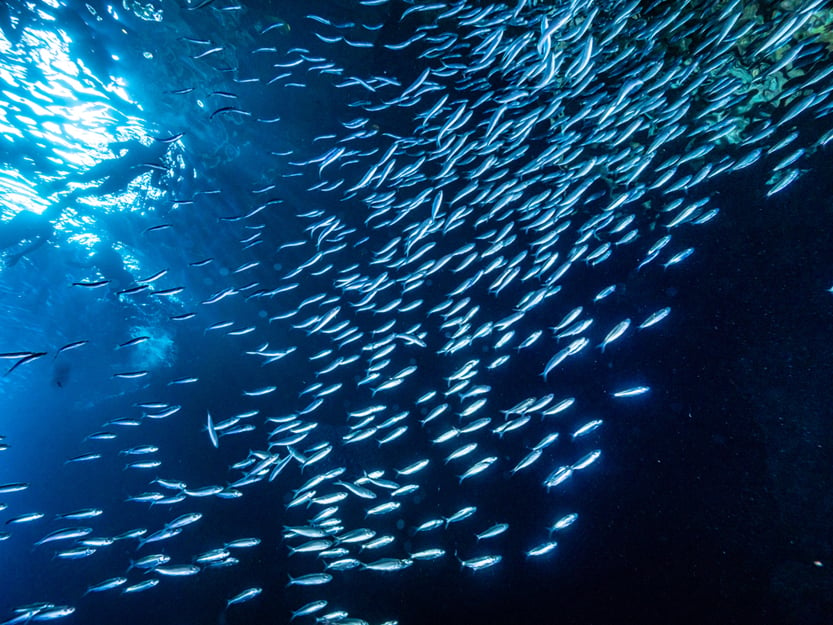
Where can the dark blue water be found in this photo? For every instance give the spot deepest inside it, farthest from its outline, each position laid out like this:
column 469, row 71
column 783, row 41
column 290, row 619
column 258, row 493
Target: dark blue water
column 709, row 502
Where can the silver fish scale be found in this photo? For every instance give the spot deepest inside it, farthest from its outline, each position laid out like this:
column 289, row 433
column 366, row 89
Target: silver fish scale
column 457, row 205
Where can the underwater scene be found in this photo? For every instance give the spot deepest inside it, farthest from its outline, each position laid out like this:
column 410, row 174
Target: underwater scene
column 397, row 311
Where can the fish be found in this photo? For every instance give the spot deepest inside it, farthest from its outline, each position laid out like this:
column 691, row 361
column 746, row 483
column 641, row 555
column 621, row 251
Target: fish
column 261, row 391
column 655, row 317
column 477, row 468
column 108, row 584
column 13, row 487
column 227, row 110
column 564, row 522
column 388, row 564
column 527, row 460
column 572, row 349
column 311, row 579
column 88, row 457
column 170, row 138
column 415, row 467
column 244, row 595
column 134, row 341
column 587, row 428
column 150, row 562
column 131, row 375
column 586, row 460
column 461, row 514
column 495, row 530
column 27, row 358
column 243, row 543
column 75, row 554
column 179, row 570
column 212, row 432
column 558, row 476
column 309, row 608
column 85, row 513
column 94, row 284
column 212, row 555
column 618, row 330
column 183, row 520
column 631, row 392
column 25, row 518
column 481, row 562
column 395, row 256
column 69, row 346
column 65, row 534
column 141, row 586
column 542, row 549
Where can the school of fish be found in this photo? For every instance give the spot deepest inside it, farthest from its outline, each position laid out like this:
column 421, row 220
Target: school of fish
column 470, row 223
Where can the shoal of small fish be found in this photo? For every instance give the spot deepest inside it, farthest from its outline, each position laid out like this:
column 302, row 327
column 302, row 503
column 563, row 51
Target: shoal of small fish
column 478, row 215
